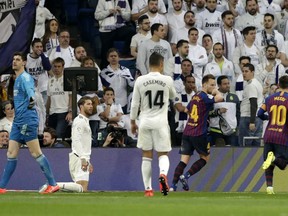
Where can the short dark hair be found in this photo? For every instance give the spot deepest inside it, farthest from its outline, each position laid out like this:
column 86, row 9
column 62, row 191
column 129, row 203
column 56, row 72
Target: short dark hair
column 269, row 14
column 193, row 29
column 155, row 59
column 59, row 60
column 112, row 50
column 186, row 60
column 155, row 27
column 207, row 35
column 78, row 47
column 246, row 30
column 250, row 67
column 272, row 45
column 181, row 42
column 220, row 78
column 51, row 131
column 21, row 54
column 186, row 77
column 225, row 13
column 86, row 58
column 187, row 12
column 283, row 82
column 108, row 89
column 36, row 40
column 141, row 18
column 218, row 43
column 83, row 100
column 244, row 57
column 207, row 77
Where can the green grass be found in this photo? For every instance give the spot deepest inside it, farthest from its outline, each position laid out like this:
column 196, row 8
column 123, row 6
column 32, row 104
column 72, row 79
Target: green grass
column 133, row 203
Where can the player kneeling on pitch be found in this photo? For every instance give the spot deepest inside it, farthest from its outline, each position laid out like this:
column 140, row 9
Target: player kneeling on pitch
column 79, row 159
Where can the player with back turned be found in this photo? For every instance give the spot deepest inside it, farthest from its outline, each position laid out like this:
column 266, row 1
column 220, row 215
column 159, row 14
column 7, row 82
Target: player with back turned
column 276, row 133
column 25, row 126
column 151, row 97
column 195, row 132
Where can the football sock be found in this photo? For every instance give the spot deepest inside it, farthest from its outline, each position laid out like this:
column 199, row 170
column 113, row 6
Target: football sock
column 164, row 164
column 70, row 187
column 280, row 163
column 178, row 171
column 196, row 167
column 269, row 176
column 146, row 169
column 45, row 167
column 8, row 171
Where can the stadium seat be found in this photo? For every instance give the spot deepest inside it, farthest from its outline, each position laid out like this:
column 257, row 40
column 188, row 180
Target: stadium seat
column 119, row 45
column 71, row 11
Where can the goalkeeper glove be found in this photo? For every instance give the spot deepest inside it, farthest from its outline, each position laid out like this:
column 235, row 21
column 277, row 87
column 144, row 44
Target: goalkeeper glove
column 31, row 103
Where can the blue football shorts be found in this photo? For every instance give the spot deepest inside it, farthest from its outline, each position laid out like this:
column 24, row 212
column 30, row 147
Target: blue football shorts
column 23, row 133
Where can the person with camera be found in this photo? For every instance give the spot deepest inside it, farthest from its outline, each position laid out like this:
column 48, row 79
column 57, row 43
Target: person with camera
column 116, row 136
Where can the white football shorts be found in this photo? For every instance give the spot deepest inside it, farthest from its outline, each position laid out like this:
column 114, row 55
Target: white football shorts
column 157, row 139
column 75, row 168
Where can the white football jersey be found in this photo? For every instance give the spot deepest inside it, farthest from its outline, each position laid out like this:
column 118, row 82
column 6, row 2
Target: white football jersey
column 151, row 96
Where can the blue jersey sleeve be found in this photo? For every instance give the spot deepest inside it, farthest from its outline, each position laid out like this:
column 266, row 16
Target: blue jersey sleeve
column 28, row 85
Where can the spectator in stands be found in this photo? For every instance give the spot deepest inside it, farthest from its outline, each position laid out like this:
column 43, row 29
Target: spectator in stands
column 199, row 6
column 248, row 48
column 229, row 109
column 8, row 116
column 142, row 35
column 227, row 35
column 209, row 20
column 182, row 33
column 140, row 7
column 50, row 38
column 156, row 17
column 38, row 66
column 270, row 70
column 50, row 139
column 4, row 139
column 117, row 77
column 250, row 125
column 113, row 19
column 269, row 36
column 270, row 6
column 155, row 44
column 240, row 83
column 220, row 65
column 63, row 50
column 181, row 101
column 42, row 14
column 175, row 18
column 198, row 56
column 173, row 66
column 109, row 111
column 207, row 43
column 59, row 103
column 235, row 6
column 116, row 136
column 250, row 18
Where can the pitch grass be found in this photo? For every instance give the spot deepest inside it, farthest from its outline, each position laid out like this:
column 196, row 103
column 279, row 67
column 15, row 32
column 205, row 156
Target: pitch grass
column 133, row 203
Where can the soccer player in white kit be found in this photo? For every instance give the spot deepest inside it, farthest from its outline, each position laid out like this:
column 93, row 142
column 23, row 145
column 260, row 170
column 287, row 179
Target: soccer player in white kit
column 79, row 159
column 151, row 96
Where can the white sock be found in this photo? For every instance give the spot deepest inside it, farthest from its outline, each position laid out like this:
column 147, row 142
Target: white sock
column 164, row 164
column 70, row 187
column 146, row 169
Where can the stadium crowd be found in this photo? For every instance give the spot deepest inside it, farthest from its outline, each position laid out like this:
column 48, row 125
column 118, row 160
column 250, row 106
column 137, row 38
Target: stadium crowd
column 244, row 44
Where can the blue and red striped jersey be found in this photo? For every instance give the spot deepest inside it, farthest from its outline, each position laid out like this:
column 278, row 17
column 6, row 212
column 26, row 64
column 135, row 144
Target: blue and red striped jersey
column 199, row 108
column 277, row 129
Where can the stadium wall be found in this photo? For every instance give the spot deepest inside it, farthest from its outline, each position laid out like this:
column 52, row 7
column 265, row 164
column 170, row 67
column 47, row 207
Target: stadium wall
column 229, row 170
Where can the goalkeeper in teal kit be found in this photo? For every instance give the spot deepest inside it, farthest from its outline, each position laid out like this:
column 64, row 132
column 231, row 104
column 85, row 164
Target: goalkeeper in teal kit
column 25, row 127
